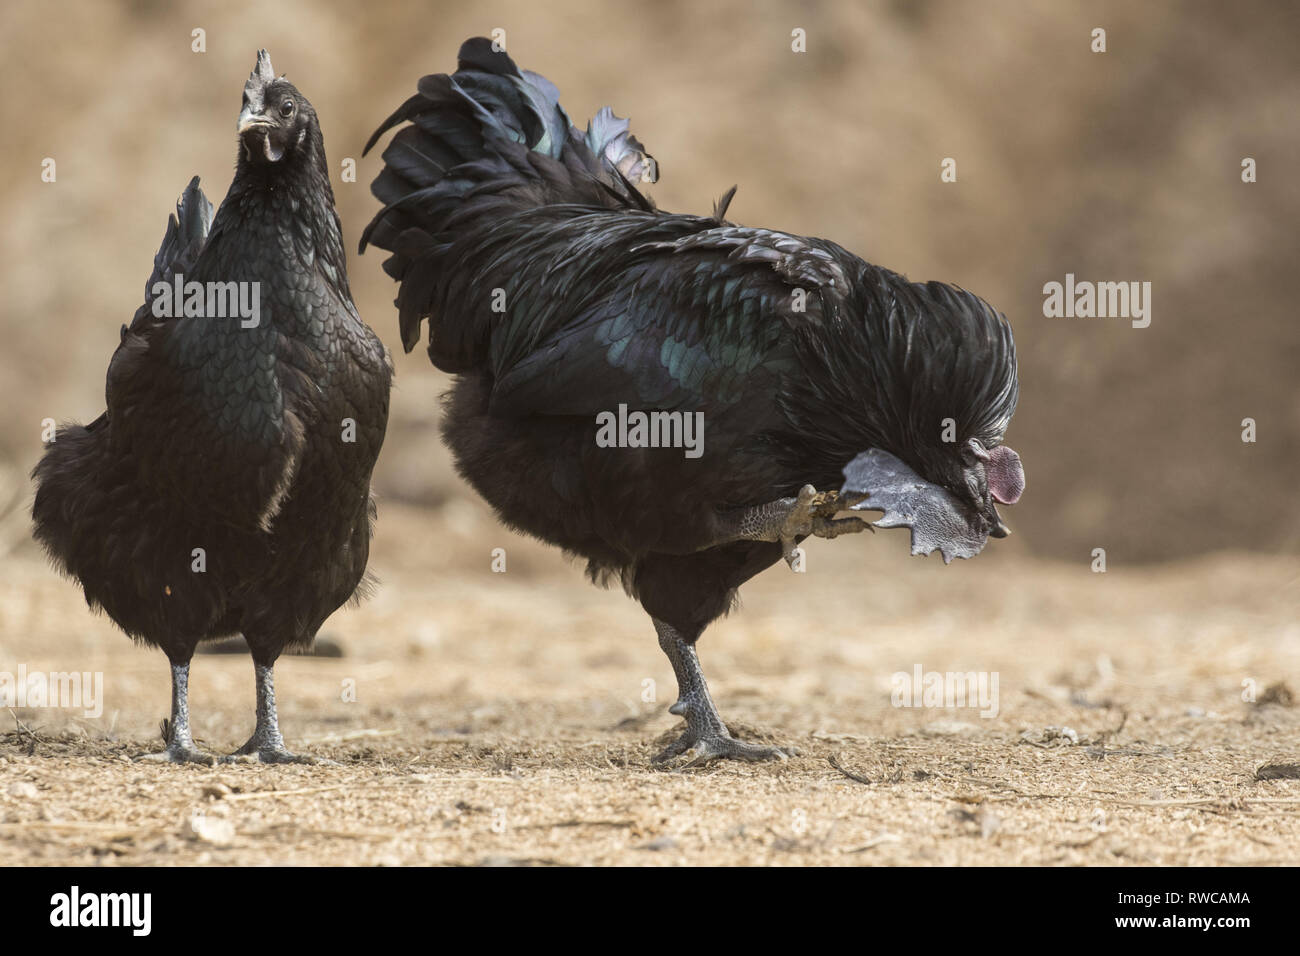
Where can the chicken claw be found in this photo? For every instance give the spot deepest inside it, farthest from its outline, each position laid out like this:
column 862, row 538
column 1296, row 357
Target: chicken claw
column 689, row 751
column 706, row 737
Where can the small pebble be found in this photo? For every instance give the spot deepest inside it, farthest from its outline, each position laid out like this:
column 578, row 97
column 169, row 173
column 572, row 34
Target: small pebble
column 209, row 829
column 660, row 844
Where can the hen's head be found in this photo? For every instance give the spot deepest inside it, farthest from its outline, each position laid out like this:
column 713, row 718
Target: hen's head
column 276, row 122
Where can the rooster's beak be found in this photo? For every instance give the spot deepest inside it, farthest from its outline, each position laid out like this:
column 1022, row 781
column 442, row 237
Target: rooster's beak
column 999, row 529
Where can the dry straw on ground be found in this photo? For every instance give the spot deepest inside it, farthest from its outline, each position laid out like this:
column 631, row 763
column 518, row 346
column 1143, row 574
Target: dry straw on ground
column 499, row 720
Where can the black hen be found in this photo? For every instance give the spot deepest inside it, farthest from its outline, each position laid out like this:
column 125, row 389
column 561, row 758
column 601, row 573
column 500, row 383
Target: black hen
column 568, row 307
column 227, row 487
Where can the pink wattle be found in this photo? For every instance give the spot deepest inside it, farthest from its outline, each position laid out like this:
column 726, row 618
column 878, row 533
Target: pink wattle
column 1005, row 474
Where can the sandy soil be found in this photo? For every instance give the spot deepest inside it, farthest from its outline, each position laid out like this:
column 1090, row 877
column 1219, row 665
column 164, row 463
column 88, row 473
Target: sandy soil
column 499, row 718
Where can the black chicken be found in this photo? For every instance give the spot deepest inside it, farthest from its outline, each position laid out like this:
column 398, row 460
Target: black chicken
column 561, row 299
column 227, row 487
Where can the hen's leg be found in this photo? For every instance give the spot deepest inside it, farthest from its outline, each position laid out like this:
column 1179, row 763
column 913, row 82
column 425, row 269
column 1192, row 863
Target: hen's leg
column 706, row 737
column 788, row 519
column 180, row 745
column 266, row 743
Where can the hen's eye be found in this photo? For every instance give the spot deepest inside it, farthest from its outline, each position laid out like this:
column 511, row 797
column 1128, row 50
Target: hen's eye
column 286, row 108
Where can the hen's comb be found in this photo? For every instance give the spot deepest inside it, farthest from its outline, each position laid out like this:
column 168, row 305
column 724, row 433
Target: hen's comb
column 260, row 78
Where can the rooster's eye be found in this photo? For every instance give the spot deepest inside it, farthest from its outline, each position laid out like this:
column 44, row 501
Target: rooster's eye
column 974, row 451
column 286, row 108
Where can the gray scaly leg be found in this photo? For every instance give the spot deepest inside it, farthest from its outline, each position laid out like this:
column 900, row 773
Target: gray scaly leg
column 266, row 744
column 706, row 737
column 180, row 745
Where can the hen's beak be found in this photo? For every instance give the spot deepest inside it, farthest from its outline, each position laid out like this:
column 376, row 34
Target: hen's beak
column 250, row 120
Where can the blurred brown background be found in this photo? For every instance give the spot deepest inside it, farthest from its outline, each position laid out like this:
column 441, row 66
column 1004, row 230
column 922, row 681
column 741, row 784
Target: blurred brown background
column 1116, row 166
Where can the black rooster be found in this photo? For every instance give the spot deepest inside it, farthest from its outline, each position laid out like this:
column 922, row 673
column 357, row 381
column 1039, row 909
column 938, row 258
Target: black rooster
column 564, row 302
column 227, row 487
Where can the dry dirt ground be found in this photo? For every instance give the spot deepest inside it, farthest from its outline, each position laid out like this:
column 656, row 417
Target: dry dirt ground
column 499, row 718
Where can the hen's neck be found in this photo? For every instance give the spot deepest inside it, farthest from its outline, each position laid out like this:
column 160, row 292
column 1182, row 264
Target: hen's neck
column 291, row 205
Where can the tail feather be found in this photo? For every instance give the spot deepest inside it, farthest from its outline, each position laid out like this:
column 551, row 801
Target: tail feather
column 187, row 230
column 525, row 103
column 71, row 476
column 492, row 126
column 609, row 138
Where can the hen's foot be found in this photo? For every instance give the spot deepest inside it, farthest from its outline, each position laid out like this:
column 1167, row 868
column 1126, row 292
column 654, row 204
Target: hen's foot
column 266, row 746
column 273, row 754
column 176, row 729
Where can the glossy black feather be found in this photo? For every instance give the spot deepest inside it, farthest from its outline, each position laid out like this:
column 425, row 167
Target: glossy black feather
column 556, row 292
column 228, row 439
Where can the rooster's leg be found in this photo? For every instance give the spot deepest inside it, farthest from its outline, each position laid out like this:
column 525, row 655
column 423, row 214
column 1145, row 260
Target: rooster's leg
column 180, row 745
column 266, row 744
column 706, row 737
column 787, row 520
